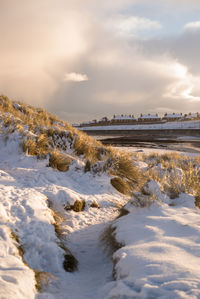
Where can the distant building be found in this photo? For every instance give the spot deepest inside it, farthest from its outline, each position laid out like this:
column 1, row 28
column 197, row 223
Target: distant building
column 192, row 116
column 123, row 119
column 146, row 118
column 173, row 116
column 103, row 121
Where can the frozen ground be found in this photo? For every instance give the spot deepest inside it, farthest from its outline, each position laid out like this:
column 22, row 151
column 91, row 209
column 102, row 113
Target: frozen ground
column 160, row 256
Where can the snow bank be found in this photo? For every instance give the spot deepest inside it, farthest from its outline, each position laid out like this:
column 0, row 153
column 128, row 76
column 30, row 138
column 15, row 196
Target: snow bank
column 161, row 253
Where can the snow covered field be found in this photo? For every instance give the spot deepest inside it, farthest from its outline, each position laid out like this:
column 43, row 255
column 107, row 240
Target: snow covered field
column 169, row 125
column 160, row 253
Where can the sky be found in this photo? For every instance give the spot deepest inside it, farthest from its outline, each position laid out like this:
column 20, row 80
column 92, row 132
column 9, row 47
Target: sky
column 83, row 60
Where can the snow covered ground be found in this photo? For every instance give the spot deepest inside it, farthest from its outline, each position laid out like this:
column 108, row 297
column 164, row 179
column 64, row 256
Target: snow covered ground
column 149, row 151
column 25, row 185
column 160, row 256
column 161, row 253
column 169, row 125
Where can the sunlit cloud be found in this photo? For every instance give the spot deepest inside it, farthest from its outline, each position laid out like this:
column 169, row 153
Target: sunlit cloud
column 184, row 85
column 192, row 26
column 130, row 26
column 75, row 77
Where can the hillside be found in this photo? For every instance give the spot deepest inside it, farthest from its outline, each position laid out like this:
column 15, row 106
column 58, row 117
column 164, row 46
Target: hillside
column 62, row 194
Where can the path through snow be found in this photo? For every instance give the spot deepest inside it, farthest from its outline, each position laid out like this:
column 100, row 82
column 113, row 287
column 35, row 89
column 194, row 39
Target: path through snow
column 25, row 185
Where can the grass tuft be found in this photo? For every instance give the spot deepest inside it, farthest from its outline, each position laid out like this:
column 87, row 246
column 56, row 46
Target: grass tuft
column 43, row 279
column 78, row 206
column 120, row 185
column 60, row 161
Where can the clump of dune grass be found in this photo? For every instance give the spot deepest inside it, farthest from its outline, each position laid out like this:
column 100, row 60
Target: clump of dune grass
column 120, row 185
column 95, row 204
column 86, row 146
column 176, row 173
column 60, row 161
column 127, row 177
column 122, row 166
column 78, row 206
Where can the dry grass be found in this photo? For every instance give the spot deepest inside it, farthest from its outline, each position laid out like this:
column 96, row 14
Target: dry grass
column 108, row 239
column 95, row 204
column 90, row 149
column 19, row 246
column 122, row 212
column 178, row 173
column 197, row 201
column 127, row 176
column 122, row 166
column 43, row 279
column 47, row 135
column 70, row 263
column 60, row 161
column 78, row 206
column 120, row 185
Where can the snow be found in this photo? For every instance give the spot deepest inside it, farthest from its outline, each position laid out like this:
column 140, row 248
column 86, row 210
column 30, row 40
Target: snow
column 160, row 253
column 149, row 151
column 149, row 116
column 169, row 125
column 26, row 186
column 124, row 117
column 174, row 115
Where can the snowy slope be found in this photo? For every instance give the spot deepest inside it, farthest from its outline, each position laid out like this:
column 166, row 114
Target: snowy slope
column 160, row 257
column 25, row 185
column 160, row 253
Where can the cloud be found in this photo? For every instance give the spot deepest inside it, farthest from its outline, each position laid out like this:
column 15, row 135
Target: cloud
column 133, row 25
column 46, row 45
column 184, row 86
column 192, row 26
column 40, row 42
column 75, row 77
